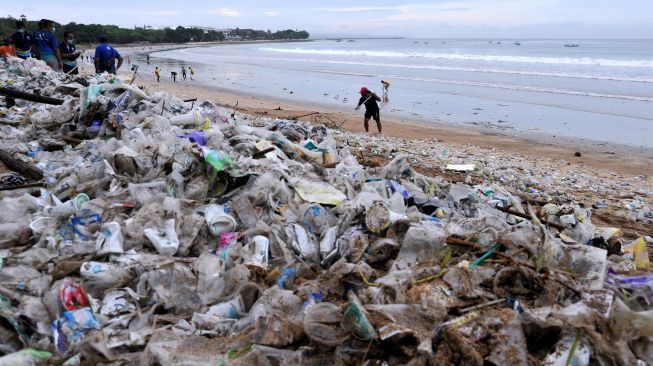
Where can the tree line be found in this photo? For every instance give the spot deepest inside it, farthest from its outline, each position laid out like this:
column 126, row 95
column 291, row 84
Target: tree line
column 88, row 33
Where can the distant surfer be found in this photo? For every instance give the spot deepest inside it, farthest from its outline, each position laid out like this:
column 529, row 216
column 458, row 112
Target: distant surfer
column 371, row 108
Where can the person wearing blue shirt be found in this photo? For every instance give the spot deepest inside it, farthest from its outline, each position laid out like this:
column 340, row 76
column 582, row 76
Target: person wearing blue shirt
column 105, row 57
column 46, row 45
column 69, row 53
column 22, row 41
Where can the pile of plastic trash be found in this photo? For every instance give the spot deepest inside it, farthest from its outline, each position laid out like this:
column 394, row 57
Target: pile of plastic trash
column 544, row 179
column 174, row 233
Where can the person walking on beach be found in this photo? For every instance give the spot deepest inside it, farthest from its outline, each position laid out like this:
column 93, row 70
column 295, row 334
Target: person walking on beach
column 148, row 58
column 69, row 54
column 46, row 45
column 105, row 57
column 386, row 85
column 22, row 41
column 173, row 75
column 192, row 72
column 157, row 72
column 183, row 72
column 369, row 99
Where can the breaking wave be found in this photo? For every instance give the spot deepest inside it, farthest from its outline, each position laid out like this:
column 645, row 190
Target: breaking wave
column 468, row 57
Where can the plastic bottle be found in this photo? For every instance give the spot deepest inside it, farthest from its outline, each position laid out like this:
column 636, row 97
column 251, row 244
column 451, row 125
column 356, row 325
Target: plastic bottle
column 245, row 211
column 175, row 182
column 69, row 182
column 379, row 217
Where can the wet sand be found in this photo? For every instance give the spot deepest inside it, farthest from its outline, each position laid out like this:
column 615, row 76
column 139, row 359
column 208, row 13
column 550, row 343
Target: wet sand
column 623, row 160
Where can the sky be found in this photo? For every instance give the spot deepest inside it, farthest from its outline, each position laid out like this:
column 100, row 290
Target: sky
column 419, row 19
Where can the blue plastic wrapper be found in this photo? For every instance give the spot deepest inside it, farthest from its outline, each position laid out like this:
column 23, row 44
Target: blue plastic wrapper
column 287, row 278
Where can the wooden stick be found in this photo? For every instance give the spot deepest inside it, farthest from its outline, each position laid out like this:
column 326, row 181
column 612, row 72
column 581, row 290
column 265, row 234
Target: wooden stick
column 4, row 121
column 71, row 70
column 462, row 243
column 193, row 100
column 71, row 140
column 134, row 76
column 528, row 217
column 17, row 94
column 303, row 115
column 26, row 185
column 480, row 306
column 258, row 154
column 22, row 167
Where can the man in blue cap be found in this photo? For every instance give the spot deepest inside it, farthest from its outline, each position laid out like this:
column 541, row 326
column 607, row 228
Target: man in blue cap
column 22, row 41
column 105, row 57
column 46, row 45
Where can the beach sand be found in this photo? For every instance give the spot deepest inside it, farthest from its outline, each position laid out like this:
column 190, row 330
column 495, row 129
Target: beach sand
column 622, row 161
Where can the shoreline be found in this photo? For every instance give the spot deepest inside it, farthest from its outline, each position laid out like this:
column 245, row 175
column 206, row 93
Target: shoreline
column 623, row 160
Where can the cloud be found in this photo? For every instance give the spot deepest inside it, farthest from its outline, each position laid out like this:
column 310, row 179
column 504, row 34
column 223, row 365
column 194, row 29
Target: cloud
column 271, row 13
column 165, row 13
column 225, row 12
column 356, row 9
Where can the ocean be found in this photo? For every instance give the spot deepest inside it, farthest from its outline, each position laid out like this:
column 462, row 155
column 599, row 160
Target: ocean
column 587, row 91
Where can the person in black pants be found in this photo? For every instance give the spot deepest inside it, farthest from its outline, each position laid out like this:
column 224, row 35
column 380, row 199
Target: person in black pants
column 371, row 108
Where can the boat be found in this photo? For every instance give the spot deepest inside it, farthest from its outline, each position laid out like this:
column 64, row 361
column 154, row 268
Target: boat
column 572, row 45
column 517, row 44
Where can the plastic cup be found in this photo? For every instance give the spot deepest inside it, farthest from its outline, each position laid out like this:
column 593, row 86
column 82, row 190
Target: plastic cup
column 259, row 259
column 193, row 118
column 67, row 208
column 218, row 220
column 39, row 225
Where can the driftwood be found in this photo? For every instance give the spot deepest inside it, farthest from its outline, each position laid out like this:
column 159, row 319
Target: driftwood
column 72, row 140
column 51, row 145
column 259, row 154
column 5, row 121
column 27, row 170
column 29, row 96
column 23, row 186
column 528, row 217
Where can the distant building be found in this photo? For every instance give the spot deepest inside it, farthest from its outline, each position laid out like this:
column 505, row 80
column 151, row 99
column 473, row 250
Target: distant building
column 227, row 33
column 204, row 29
